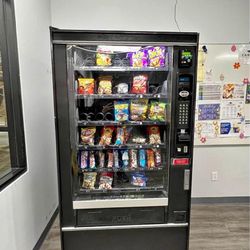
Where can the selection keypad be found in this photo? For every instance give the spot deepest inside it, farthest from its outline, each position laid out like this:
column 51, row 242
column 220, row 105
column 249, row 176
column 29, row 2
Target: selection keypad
column 183, row 113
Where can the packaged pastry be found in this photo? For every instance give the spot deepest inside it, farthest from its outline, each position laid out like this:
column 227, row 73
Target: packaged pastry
column 139, row 58
column 88, row 135
column 133, row 158
column 157, row 153
column 150, row 158
column 140, row 84
column 122, row 88
column 154, row 135
column 84, row 160
column 156, row 56
column 125, row 158
column 157, row 111
column 121, row 110
column 120, row 135
column 106, row 136
column 116, row 159
column 101, row 159
column 89, row 180
column 138, row 109
column 138, row 179
column 92, row 162
column 110, row 160
column 86, row 86
column 105, row 85
column 142, row 158
column 106, row 180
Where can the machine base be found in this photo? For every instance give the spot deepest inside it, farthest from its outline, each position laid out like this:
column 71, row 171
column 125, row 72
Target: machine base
column 175, row 238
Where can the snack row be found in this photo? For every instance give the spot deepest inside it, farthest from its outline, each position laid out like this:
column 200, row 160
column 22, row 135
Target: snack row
column 131, row 159
column 120, row 135
column 145, row 57
column 106, row 180
column 105, row 86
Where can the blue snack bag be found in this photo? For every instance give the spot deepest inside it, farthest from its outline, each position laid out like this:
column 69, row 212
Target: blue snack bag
column 139, row 179
column 142, row 158
column 121, row 110
column 125, row 159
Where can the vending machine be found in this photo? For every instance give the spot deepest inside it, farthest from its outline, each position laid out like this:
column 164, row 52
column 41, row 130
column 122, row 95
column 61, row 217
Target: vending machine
column 124, row 114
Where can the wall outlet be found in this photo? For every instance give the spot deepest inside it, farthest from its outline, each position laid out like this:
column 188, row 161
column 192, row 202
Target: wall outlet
column 214, row 176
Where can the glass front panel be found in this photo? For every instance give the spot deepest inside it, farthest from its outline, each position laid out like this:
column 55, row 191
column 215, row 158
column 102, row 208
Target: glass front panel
column 119, row 102
column 5, row 166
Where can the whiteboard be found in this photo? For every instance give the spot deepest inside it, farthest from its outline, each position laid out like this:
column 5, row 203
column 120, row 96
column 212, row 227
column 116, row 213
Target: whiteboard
column 222, row 113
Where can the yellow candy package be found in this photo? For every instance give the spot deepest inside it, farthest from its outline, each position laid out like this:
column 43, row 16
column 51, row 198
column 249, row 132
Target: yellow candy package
column 105, row 85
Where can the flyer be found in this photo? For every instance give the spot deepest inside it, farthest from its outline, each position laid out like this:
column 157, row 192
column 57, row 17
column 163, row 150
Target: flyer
column 209, row 111
column 209, row 129
column 232, row 110
column 233, row 91
column 230, row 128
column 209, row 91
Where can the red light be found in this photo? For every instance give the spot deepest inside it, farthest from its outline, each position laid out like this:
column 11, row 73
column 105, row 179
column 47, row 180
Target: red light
column 180, row 161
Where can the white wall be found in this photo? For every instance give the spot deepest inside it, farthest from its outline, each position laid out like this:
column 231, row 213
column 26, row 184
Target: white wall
column 27, row 205
column 224, row 21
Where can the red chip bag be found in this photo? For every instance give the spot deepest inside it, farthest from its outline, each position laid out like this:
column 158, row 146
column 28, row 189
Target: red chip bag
column 139, row 85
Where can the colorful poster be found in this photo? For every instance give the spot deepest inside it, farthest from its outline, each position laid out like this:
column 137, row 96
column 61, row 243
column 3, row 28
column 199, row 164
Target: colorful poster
column 233, row 91
column 232, row 110
column 209, row 111
column 244, row 54
column 209, row 92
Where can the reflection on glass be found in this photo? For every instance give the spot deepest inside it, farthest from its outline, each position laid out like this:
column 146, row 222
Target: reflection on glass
column 3, row 116
column 5, row 166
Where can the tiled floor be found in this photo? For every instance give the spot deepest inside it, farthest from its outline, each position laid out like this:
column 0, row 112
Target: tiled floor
column 213, row 227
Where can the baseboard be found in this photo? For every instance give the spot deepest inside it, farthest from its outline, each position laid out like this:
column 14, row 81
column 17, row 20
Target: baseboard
column 209, row 200
column 45, row 231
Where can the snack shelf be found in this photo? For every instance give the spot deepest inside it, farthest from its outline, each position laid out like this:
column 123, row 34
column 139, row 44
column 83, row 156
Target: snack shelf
column 115, row 68
column 123, row 189
column 125, row 146
column 121, row 96
column 127, row 170
column 120, row 123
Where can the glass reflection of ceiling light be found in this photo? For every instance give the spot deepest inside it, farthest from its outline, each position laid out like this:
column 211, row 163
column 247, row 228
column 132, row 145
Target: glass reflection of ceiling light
column 227, row 56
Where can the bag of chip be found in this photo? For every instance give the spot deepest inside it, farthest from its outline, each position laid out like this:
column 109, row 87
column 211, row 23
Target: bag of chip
column 157, row 111
column 84, row 160
column 142, row 158
column 140, row 84
column 150, row 158
column 103, row 58
column 139, row 179
column 106, row 180
column 89, row 180
column 106, row 136
column 133, row 158
column 154, row 135
column 88, row 135
column 121, row 110
column 139, row 58
column 105, row 85
column 138, row 109
column 86, row 86
column 125, row 159
column 156, row 56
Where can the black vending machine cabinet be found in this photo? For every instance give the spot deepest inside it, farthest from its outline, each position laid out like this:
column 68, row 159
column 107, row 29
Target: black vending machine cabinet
column 124, row 104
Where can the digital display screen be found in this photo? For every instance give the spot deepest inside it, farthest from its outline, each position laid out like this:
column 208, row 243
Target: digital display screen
column 185, row 58
column 184, row 79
